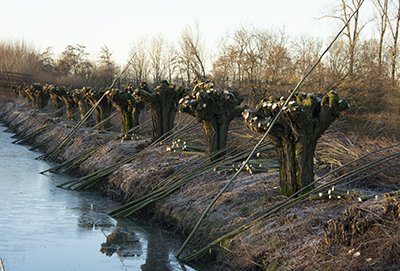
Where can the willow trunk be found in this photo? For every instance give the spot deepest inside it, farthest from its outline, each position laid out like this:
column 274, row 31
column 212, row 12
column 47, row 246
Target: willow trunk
column 296, row 164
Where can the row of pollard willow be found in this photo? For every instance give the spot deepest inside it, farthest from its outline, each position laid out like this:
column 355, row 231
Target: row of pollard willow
column 294, row 135
column 70, row 99
column 66, row 99
column 129, row 102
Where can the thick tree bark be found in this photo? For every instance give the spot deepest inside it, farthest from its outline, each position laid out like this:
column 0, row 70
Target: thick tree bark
column 69, row 109
column 57, row 104
column 105, row 109
column 102, row 111
column 216, row 135
column 296, row 132
column 82, row 110
column 126, row 120
column 296, row 163
column 42, row 100
column 163, row 117
column 135, row 116
column 163, row 110
column 156, row 122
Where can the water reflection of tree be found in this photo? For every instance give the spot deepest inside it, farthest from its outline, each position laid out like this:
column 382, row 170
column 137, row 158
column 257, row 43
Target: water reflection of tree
column 122, row 241
column 157, row 257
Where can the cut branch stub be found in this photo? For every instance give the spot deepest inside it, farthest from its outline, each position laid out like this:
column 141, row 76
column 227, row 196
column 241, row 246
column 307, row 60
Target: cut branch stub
column 214, row 109
column 163, row 103
column 296, row 132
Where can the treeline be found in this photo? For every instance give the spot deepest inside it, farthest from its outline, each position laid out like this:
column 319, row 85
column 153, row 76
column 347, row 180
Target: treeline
column 256, row 62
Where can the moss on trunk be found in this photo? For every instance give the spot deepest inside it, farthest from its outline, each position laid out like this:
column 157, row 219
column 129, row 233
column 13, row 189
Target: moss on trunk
column 102, row 110
column 214, row 109
column 129, row 109
column 163, row 104
column 79, row 98
column 296, row 132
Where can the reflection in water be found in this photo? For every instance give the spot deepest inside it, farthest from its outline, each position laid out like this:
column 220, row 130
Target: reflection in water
column 157, row 258
column 46, row 228
column 95, row 220
column 122, row 241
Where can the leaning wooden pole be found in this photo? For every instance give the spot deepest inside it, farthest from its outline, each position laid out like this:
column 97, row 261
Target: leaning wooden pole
column 2, row 265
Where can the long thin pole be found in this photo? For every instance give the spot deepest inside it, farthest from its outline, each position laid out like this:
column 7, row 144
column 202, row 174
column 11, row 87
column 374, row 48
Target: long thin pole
column 265, row 135
column 2, row 265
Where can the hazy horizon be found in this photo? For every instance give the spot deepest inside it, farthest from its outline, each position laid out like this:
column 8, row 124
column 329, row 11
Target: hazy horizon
column 118, row 24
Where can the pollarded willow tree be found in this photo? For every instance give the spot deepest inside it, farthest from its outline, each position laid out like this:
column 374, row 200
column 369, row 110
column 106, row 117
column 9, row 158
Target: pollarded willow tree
column 64, row 94
column 136, row 104
column 28, row 93
column 127, row 106
column 102, row 110
column 55, row 100
column 296, row 132
column 41, row 97
column 119, row 100
column 214, row 109
column 163, row 103
column 78, row 96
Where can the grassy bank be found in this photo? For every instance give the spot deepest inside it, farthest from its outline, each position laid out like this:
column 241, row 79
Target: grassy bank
column 341, row 228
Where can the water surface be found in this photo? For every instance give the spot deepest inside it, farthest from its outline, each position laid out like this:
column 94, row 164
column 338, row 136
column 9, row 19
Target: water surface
column 43, row 227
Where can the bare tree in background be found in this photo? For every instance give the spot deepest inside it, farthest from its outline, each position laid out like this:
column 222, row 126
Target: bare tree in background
column 353, row 30
column 47, row 60
column 172, row 63
column 389, row 15
column 192, row 54
column 158, row 61
column 19, row 57
column 394, row 29
column 382, row 8
column 74, row 61
column 254, row 61
column 105, row 70
column 305, row 52
column 140, row 68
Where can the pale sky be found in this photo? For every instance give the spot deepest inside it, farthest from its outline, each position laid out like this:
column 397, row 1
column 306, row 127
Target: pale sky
column 117, row 24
